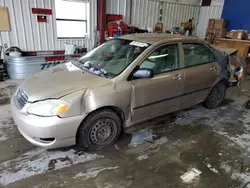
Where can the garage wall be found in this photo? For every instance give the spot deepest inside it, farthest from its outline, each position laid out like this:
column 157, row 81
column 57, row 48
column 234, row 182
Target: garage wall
column 145, row 13
column 119, row 7
column 206, row 13
column 28, row 34
column 174, row 14
column 237, row 14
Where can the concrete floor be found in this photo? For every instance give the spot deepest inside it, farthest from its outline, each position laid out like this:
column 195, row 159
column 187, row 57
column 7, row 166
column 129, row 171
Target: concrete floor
column 196, row 148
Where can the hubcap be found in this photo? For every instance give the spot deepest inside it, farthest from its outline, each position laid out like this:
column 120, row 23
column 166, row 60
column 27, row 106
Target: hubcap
column 102, row 131
column 216, row 95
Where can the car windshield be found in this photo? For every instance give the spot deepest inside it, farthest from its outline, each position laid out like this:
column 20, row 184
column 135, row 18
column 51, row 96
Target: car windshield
column 111, row 58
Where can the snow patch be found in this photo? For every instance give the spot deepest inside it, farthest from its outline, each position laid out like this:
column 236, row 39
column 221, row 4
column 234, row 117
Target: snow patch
column 212, row 169
column 244, row 178
column 93, row 172
column 191, row 175
column 5, row 111
column 159, row 141
column 38, row 162
column 142, row 157
column 224, row 166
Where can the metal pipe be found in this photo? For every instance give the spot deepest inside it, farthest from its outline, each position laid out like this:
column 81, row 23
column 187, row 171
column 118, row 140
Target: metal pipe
column 130, row 12
column 101, row 19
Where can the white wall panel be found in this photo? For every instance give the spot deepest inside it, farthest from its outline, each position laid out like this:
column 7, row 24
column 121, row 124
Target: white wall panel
column 145, row 13
column 207, row 13
column 187, row 2
column 28, row 34
column 119, row 7
column 174, row 14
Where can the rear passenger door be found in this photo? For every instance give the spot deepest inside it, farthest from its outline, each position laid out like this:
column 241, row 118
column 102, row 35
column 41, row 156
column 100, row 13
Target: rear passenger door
column 200, row 72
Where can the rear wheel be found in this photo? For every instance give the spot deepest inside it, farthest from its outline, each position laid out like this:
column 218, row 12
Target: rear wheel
column 216, row 96
column 99, row 130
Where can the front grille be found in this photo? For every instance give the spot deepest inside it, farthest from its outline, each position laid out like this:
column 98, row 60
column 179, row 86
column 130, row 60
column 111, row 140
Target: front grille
column 21, row 98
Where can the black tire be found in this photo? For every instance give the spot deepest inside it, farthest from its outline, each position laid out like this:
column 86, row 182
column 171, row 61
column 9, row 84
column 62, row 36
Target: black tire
column 216, row 96
column 248, row 104
column 1, row 77
column 99, row 130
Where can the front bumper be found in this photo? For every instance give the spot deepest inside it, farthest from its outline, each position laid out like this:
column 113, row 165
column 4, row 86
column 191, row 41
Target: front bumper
column 60, row 131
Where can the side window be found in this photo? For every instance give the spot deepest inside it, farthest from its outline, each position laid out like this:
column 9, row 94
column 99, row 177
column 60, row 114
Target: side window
column 163, row 59
column 196, row 54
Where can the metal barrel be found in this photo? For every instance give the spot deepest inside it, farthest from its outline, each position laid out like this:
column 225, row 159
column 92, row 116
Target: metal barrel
column 20, row 68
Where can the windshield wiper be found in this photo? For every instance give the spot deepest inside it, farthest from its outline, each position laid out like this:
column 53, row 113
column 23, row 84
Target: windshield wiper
column 91, row 68
column 79, row 65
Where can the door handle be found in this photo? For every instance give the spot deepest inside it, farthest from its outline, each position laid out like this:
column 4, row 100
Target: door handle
column 177, row 77
column 213, row 68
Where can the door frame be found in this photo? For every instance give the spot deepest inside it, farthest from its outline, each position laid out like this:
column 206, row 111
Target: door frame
column 200, row 43
column 181, row 57
column 181, row 66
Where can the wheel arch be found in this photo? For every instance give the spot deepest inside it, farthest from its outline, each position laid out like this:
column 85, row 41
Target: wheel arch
column 115, row 109
column 220, row 80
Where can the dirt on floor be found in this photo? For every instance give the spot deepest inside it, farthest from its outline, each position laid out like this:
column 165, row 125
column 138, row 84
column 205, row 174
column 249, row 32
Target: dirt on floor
column 196, row 148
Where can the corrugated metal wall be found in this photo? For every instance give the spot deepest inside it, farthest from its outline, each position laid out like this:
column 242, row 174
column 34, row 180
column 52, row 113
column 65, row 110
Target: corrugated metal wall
column 28, row 34
column 174, row 14
column 207, row 13
column 145, row 13
column 119, row 7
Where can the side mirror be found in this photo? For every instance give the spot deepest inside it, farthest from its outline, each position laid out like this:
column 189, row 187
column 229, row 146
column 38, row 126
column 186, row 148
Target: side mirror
column 143, row 73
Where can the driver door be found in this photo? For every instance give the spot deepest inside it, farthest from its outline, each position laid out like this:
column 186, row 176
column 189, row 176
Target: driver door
column 159, row 95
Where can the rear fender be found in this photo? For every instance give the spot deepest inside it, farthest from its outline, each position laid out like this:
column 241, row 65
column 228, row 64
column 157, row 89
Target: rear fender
column 224, row 80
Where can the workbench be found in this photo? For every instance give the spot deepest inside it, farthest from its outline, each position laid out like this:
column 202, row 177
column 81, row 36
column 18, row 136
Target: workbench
column 241, row 45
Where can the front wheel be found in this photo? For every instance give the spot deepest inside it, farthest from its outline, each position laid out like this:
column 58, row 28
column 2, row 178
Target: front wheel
column 99, row 130
column 216, row 96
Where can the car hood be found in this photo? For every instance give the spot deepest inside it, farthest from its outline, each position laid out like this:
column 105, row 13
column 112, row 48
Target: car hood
column 59, row 81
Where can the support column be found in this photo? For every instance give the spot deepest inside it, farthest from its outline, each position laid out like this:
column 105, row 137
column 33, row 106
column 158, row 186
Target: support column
column 101, row 18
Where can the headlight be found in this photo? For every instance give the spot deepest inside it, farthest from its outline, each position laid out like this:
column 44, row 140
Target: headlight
column 48, row 108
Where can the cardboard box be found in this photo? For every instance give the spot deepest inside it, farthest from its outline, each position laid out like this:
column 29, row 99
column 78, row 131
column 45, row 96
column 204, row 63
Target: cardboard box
column 232, row 34
column 211, row 23
column 219, row 24
column 220, row 33
column 242, row 35
column 210, row 31
column 248, row 36
column 4, row 23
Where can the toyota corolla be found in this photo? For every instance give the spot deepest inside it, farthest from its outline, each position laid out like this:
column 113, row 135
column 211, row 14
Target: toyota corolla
column 123, row 82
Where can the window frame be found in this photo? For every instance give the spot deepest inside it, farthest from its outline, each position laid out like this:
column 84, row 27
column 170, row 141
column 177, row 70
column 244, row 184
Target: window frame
column 156, row 48
column 72, row 20
column 182, row 46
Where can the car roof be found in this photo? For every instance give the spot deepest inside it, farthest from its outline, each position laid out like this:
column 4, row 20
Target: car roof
column 152, row 38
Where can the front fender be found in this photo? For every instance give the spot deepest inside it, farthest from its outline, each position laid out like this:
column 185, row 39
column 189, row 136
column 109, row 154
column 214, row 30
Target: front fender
column 75, row 101
column 109, row 95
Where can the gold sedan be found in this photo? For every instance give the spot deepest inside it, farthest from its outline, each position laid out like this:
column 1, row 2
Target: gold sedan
column 126, row 81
